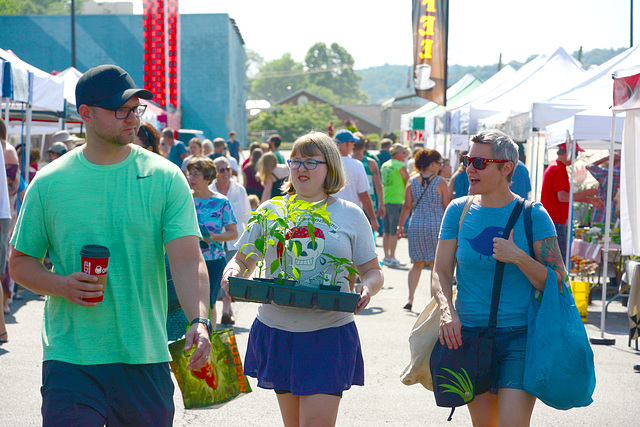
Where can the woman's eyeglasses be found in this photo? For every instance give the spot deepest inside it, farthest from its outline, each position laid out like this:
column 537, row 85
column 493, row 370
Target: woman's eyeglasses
column 479, row 162
column 308, row 164
column 223, row 170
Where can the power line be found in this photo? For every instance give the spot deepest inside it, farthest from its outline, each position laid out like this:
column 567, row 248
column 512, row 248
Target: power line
column 301, row 73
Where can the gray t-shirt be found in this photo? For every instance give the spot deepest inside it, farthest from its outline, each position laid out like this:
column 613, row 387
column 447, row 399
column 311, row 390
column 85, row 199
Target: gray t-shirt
column 349, row 236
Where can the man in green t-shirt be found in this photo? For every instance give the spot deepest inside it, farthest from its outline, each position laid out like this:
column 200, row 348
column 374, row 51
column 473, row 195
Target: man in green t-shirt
column 274, row 142
column 394, row 179
column 106, row 362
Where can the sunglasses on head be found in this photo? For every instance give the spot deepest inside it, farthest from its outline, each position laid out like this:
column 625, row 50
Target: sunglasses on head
column 479, row 162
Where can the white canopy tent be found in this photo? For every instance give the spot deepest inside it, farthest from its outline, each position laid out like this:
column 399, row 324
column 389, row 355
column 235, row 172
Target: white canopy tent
column 492, row 84
column 36, row 89
column 592, row 91
column 591, row 128
column 540, row 78
column 630, row 158
column 453, row 90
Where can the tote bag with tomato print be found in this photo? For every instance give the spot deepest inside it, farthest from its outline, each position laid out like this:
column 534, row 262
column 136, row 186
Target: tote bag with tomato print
column 219, row 381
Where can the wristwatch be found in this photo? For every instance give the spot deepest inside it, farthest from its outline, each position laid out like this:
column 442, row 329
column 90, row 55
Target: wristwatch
column 204, row 321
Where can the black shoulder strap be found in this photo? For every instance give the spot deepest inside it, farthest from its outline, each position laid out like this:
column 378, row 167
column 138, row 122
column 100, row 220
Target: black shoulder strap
column 428, row 181
column 497, row 278
column 528, row 225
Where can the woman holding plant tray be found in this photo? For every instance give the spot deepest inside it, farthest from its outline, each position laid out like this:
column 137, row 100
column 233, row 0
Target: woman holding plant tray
column 216, row 220
column 309, row 356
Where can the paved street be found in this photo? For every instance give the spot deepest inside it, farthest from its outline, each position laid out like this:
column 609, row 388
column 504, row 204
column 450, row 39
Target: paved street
column 383, row 401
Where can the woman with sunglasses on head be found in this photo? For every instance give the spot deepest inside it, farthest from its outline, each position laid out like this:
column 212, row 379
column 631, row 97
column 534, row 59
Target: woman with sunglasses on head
column 427, row 196
column 475, row 246
column 308, row 356
column 148, row 137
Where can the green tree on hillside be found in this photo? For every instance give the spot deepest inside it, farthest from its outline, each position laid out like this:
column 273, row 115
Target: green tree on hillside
column 278, row 78
column 291, row 121
column 332, row 68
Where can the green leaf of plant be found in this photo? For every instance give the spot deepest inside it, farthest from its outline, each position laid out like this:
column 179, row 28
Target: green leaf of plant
column 312, row 230
column 274, row 265
column 297, row 247
column 279, row 235
column 259, row 244
column 296, row 273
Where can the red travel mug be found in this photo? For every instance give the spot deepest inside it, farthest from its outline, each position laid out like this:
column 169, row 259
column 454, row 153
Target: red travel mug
column 95, row 261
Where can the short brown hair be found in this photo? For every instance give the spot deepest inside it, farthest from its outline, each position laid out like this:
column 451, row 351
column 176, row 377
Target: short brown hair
column 205, row 166
column 275, row 139
column 320, row 144
column 424, row 158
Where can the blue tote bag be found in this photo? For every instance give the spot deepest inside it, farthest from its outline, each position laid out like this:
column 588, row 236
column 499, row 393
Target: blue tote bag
column 559, row 368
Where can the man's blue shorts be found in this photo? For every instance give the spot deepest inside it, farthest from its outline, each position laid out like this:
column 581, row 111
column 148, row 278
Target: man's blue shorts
column 114, row 394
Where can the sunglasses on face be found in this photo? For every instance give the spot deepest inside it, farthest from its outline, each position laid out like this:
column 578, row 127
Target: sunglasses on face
column 479, row 162
column 223, row 170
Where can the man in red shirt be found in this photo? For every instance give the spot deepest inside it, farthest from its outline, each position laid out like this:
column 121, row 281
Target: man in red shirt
column 555, row 194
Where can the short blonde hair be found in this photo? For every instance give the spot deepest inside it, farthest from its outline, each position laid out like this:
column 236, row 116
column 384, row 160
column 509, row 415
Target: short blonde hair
column 320, row 144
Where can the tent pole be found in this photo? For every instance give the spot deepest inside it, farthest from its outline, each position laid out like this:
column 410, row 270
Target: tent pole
column 571, row 146
column 607, row 237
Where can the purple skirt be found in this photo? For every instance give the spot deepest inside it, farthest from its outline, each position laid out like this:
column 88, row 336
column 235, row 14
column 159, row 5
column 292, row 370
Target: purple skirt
column 320, row 362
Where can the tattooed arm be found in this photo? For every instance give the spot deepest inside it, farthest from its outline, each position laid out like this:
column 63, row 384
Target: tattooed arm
column 547, row 254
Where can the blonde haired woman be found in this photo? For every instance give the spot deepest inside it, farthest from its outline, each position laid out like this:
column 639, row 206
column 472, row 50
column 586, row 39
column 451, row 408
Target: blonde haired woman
column 271, row 175
column 310, row 356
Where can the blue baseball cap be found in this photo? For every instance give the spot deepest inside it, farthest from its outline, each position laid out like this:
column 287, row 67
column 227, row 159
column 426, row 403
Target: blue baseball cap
column 345, row 135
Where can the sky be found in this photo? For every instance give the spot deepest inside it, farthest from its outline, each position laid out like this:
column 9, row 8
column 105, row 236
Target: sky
column 378, row 32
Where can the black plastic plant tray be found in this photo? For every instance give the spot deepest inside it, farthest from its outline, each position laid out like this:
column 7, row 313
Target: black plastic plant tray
column 265, row 291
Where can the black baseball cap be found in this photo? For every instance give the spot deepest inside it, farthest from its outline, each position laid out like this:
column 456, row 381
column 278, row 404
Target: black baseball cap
column 108, row 87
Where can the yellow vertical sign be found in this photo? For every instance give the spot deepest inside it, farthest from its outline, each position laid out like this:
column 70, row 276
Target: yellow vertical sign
column 430, row 27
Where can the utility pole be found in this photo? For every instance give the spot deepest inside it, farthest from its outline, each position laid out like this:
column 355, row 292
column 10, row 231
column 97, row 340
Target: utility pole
column 73, row 33
column 580, row 55
column 500, row 62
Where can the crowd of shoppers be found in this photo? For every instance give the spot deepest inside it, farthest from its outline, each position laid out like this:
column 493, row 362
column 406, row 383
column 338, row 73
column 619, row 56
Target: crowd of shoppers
column 193, row 202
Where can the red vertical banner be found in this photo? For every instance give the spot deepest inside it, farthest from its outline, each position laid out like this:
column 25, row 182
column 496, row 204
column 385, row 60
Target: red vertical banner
column 430, row 20
column 161, row 24
column 173, row 33
column 626, row 90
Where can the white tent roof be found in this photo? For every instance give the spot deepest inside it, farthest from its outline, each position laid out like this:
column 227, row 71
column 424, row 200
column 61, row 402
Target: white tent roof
column 540, row 78
column 70, row 77
column 48, row 90
column 465, row 81
column 492, row 84
column 595, row 89
column 591, row 128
